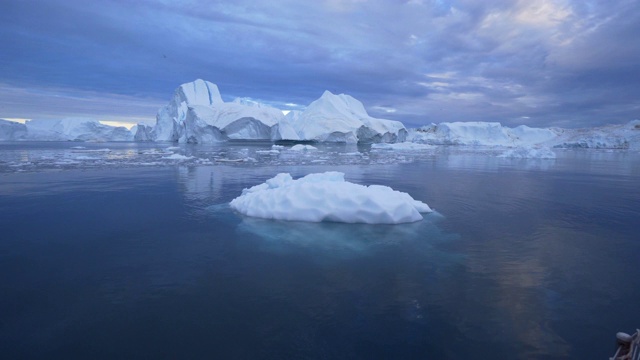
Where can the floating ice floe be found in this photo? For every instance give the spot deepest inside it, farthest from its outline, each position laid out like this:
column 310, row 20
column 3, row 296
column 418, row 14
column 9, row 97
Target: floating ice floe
column 327, row 197
column 11, row 131
column 177, row 157
column 529, row 153
column 301, row 147
column 405, row 146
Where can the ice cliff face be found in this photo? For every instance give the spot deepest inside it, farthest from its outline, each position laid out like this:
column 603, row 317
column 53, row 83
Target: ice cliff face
column 341, row 118
column 11, row 131
column 479, row 133
column 142, row 132
column 75, row 130
column 493, row 134
column 197, row 114
column 625, row 136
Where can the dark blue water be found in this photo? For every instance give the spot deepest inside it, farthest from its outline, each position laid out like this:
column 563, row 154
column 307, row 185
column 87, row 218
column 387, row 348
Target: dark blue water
column 523, row 259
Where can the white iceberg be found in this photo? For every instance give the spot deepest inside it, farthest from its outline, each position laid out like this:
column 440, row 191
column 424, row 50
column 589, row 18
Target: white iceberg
column 478, row 133
column 342, row 118
column 197, row 114
column 327, row 197
column 10, row 130
column 75, row 130
column 626, row 136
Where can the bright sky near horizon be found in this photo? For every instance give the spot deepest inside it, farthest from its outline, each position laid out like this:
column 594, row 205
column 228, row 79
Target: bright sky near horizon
column 568, row 63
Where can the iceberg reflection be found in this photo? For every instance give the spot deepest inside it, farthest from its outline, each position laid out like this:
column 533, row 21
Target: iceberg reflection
column 331, row 239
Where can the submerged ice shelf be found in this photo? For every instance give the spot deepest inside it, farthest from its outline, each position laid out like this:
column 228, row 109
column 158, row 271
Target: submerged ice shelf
column 327, row 197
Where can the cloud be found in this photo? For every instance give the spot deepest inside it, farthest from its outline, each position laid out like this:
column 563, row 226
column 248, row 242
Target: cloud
column 557, row 62
column 57, row 103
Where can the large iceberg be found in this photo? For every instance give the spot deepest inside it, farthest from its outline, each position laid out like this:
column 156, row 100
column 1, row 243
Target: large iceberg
column 479, row 133
column 342, row 118
column 75, row 130
column 327, row 197
column 625, row 136
column 10, row 130
column 197, row 114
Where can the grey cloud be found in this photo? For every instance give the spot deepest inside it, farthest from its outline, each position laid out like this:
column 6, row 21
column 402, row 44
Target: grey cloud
column 542, row 63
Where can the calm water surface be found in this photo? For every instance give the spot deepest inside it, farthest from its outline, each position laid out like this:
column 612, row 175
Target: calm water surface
column 523, row 259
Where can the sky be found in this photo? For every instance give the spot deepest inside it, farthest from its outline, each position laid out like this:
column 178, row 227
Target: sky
column 567, row 63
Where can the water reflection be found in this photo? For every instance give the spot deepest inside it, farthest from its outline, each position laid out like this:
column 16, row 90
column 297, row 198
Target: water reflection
column 340, row 240
column 527, row 261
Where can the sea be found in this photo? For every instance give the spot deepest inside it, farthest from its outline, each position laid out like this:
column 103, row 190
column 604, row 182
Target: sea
column 130, row 251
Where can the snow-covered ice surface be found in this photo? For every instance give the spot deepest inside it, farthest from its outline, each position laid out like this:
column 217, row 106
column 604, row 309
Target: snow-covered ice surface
column 343, row 119
column 327, row 197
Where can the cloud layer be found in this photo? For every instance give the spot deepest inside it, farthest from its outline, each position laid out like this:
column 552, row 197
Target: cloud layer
column 542, row 63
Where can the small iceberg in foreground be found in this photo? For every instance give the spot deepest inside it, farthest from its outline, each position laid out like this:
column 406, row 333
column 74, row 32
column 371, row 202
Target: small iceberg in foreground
column 328, row 197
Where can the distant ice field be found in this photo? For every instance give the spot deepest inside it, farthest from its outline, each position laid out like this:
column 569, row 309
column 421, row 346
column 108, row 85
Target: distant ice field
column 40, row 156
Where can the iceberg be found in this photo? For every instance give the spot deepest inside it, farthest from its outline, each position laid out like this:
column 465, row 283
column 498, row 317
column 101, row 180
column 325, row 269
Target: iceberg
column 327, row 197
column 75, row 130
column 197, row 114
column 343, row 119
column 142, row 132
column 464, row 133
column 11, row 131
column 625, row 136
